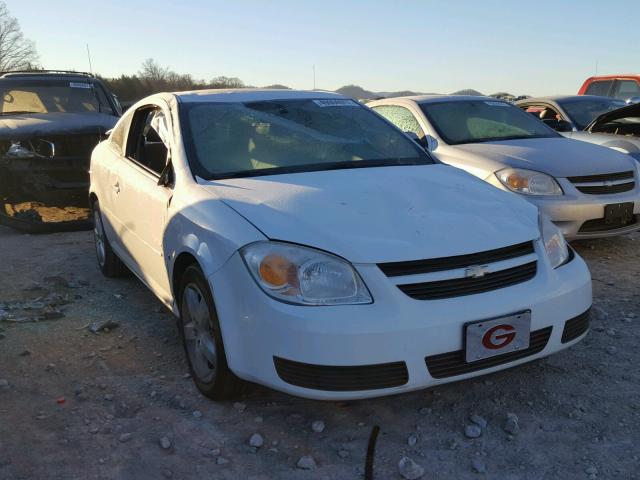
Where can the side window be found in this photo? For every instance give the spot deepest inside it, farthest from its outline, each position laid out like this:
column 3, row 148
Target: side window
column 148, row 139
column 119, row 133
column 626, row 89
column 401, row 117
column 601, row 88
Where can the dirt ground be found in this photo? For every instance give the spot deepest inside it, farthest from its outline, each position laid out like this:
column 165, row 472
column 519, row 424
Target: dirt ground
column 119, row 404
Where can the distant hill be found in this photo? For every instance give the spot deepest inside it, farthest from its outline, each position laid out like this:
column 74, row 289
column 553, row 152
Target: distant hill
column 356, row 91
column 277, row 86
column 468, row 91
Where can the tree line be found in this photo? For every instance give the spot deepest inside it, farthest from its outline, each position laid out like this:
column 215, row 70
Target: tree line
column 153, row 78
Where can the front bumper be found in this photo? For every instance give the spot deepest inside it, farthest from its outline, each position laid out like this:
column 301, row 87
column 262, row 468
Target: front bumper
column 572, row 214
column 571, row 211
column 396, row 329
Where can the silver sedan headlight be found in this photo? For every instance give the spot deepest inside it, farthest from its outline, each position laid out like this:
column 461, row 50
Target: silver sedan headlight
column 528, row 182
column 554, row 243
column 304, row 276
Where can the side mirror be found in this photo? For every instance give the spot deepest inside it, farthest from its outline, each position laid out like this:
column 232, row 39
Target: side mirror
column 633, row 100
column 116, row 100
column 45, row 148
column 166, row 176
column 558, row 125
column 420, row 141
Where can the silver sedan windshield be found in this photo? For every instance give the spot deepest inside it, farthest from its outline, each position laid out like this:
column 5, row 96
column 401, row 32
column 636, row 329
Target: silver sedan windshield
column 474, row 121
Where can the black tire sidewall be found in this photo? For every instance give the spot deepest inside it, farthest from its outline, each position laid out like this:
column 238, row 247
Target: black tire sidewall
column 222, row 375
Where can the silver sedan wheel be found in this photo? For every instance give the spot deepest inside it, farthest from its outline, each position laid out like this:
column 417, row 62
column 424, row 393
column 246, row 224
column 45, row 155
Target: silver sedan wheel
column 198, row 333
column 98, row 233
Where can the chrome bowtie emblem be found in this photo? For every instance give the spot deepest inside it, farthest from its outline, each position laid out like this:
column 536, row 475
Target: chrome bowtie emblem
column 476, row 271
column 608, row 184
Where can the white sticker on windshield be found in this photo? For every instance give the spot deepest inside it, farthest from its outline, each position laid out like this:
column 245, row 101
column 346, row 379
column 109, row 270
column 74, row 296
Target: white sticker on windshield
column 496, row 104
column 337, row 102
column 79, row 85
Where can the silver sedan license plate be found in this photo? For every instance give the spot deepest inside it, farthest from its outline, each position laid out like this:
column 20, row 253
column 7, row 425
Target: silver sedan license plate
column 497, row 336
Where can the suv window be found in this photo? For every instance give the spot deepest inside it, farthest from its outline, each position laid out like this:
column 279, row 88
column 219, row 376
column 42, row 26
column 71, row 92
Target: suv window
column 147, row 136
column 401, row 117
column 600, row 88
column 626, row 89
column 19, row 95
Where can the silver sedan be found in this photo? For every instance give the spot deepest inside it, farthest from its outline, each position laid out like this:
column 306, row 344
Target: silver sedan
column 587, row 190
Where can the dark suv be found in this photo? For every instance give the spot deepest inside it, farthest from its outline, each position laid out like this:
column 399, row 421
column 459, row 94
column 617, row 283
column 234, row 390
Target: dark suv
column 50, row 121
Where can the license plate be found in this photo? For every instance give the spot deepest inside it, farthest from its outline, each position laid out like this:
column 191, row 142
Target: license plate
column 618, row 213
column 497, row 336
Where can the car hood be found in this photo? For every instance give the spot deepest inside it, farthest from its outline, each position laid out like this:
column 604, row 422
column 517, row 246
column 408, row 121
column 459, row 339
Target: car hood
column 557, row 156
column 632, row 110
column 42, row 124
column 621, row 143
column 382, row 214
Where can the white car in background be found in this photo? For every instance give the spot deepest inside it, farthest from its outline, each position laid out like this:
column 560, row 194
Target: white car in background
column 306, row 244
column 587, row 190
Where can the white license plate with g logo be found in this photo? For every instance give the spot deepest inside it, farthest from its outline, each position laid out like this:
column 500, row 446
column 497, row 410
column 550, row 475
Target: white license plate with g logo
column 497, row 336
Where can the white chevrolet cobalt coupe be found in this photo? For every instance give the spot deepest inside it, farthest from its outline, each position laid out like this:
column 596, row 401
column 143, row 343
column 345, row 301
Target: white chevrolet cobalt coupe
column 306, row 244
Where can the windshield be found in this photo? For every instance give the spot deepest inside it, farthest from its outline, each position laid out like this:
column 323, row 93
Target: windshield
column 52, row 96
column 226, row 140
column 583, row 112
column 473, row 121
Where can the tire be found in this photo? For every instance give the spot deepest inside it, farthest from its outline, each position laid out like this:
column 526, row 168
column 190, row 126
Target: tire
column 110, row 265
column 202, row 338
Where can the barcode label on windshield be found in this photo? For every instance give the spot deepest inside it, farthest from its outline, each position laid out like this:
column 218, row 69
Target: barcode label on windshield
column 338, row 102
column 79, row 85
column 497, row 104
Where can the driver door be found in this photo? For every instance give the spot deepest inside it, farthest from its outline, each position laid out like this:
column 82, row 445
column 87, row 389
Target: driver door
column 141, row 204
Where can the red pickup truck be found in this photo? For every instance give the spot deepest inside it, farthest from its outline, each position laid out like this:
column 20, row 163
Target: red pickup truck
column 624, row 87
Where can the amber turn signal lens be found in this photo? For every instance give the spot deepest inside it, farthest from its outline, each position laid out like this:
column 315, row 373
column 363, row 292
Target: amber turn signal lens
column 517, row 182
column 274, row 270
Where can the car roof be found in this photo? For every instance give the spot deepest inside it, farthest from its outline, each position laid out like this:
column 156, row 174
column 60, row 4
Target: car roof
column 560, row 98
column 61, row 74
column 437, row 99
column 252, row 95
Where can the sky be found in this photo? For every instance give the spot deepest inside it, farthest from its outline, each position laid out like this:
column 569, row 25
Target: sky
column 536, row 47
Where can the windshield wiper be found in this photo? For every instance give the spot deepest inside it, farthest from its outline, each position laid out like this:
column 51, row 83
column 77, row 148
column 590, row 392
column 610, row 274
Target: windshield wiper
column 17, row 112
column 321, row 167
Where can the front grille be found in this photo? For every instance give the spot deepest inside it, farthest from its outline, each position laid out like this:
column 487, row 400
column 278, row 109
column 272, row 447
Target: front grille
column 415, row 267
column 601, row 225
column 606, row 189
column 451, row 364
column 458, row 287
column 342, row 378
column 607, row 177
column 604, row 178
column 576, row 326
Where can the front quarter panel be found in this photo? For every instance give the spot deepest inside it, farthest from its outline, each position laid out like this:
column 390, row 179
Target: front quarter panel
column 205, row 227
column 475, row 165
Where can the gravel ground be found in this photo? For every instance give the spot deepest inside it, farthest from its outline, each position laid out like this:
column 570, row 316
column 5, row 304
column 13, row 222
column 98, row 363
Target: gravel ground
column 119, row 405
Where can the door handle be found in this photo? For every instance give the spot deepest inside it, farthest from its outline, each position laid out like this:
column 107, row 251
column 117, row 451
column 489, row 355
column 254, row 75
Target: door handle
column 116, row 187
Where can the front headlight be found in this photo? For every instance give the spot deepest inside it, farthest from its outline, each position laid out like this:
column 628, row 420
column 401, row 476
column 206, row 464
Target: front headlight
column 554, row 243
column 528, row 182
column 304, row 276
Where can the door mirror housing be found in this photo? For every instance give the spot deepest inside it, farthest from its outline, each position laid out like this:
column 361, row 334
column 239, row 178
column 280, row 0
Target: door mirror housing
column 558, row 125
column 166, row 176
column 423, row 142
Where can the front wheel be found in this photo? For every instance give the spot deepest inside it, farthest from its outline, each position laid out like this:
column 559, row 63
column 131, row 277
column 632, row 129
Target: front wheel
column 202, row 338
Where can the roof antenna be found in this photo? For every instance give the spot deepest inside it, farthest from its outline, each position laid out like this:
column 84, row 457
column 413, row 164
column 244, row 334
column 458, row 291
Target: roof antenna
column 89, row 57
column 596, row 68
